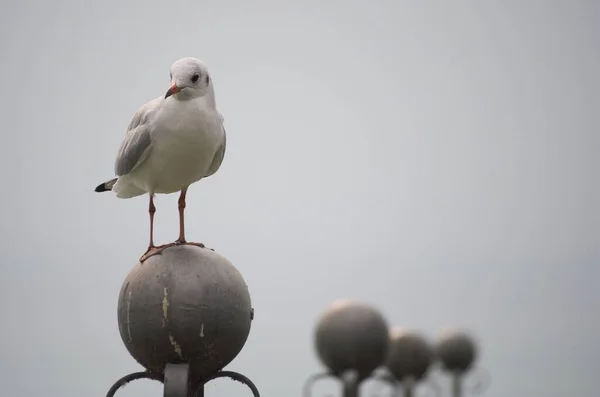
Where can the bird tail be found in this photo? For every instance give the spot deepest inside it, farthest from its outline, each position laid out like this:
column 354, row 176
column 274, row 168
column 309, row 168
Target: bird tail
column 106, row 186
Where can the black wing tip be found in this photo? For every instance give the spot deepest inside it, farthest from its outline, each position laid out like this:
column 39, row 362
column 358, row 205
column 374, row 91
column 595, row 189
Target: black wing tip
column 101, row 188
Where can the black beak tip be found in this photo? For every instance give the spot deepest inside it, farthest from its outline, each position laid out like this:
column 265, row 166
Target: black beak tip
column 168, row 94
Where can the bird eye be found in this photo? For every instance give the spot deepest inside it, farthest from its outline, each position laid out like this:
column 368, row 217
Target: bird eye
column 195, row 78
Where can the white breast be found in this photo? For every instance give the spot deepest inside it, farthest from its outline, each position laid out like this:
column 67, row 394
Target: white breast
column 184, row 144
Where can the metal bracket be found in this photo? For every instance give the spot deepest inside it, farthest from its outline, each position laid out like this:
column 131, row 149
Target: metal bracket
column 177, row 382
column 349, row 380
column 236, row 376
column 134, row 376
column 307, row 388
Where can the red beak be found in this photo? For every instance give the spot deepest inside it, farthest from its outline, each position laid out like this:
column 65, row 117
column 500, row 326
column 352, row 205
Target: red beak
column 173, row 90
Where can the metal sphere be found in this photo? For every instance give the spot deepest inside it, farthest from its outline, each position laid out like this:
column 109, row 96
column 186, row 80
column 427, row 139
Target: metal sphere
column 188, row 304
column 410, row 355
column 457, row 351
column 352, row 335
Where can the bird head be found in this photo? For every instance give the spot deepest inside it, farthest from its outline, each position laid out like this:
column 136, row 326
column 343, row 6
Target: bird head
column 189, row 79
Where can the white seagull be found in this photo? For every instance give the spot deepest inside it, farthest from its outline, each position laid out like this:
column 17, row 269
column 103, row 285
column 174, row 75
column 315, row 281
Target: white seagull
column 171, row 142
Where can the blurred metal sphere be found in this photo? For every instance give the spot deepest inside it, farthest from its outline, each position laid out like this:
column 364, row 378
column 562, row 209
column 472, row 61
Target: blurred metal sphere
column 188, row 304
column 456, row 350
column 410, row 355
column 352, row 335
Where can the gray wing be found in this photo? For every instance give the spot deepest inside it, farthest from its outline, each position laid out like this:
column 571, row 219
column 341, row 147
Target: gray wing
column 138, row 140
column 219, row 155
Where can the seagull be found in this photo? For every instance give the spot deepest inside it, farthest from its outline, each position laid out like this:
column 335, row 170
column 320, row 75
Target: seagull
column 172, row 142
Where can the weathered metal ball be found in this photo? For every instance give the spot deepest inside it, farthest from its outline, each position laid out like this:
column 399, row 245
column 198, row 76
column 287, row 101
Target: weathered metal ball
column 188, row 304
column 352, row 335
column 456, row 350
column 410, row 355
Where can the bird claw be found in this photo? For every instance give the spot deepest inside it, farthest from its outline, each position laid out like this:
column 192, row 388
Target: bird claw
column 157, row 250
column 151, row 251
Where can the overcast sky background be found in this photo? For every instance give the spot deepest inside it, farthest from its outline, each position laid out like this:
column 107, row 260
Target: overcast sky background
column 438, row 159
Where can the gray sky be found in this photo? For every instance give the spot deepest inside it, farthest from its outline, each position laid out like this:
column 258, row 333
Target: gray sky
column 436, row 159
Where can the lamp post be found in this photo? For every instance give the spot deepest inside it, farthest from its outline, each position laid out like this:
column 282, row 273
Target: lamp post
column 184, row 315
column 409, row 360
column 351, row 340
column 457, row 352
